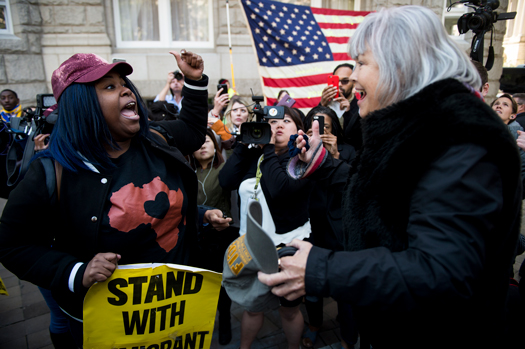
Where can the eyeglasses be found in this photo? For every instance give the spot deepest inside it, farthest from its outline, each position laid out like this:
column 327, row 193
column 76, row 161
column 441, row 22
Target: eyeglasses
column 344, row 81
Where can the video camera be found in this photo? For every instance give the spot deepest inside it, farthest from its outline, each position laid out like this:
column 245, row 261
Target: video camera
column 43, row 124
column 259, row 131
column 24, row 129
column 481, row 21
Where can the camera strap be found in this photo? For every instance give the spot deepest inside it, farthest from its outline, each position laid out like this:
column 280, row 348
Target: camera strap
column 257, row 178
column 21, row 149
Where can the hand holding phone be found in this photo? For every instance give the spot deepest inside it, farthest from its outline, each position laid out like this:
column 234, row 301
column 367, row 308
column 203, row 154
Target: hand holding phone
column 333, row 80
column 224, row 88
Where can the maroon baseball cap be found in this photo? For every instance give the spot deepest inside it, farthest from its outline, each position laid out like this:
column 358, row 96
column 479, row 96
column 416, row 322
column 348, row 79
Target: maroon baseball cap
column 83, row 68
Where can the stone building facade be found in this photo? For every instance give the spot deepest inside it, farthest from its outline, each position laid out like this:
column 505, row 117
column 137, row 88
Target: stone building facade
column 514, row 41
column 43, row 33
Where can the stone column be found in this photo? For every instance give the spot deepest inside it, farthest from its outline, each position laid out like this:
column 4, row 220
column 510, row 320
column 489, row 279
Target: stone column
column 514, row 41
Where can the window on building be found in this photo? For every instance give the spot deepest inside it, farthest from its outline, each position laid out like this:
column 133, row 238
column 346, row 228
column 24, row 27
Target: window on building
column 163, row 23
column 6, row 27
column 350, row 5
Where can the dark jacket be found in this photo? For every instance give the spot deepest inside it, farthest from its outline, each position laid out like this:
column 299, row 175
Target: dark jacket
column 352, row 126
column 31, row 221
column 431, row 215
column 520, row 119
column 325, row 207
column 287, row 198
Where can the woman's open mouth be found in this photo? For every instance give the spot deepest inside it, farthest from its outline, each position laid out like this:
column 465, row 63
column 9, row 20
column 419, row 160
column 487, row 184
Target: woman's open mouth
column 130, row 111
column 360, row 95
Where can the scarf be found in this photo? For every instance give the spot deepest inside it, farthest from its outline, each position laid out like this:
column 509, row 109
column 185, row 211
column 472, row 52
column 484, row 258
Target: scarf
column 15, row 113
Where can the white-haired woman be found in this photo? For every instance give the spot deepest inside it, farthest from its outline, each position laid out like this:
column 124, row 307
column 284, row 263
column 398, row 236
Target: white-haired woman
column 431, row 210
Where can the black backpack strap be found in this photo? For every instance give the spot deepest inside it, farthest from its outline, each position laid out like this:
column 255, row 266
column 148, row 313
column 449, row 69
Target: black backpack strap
column 51, row 184
column 12, row 163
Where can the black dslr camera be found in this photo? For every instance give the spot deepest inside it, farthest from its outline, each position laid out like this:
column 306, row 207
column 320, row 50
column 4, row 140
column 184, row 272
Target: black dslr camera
column 259, row 131
column 481, row 21
column 178, row 75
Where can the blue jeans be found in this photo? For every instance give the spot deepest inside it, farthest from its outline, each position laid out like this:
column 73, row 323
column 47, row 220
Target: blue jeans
column 59, row 322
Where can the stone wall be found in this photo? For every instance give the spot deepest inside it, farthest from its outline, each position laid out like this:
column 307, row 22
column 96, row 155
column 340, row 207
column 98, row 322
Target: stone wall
column 21, row 64
column 69, row 27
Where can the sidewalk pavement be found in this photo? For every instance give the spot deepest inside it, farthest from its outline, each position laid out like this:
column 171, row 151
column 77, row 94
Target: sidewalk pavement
column 24, row 320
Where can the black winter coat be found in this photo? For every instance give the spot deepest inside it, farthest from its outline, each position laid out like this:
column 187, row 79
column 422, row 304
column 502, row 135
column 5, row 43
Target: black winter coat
column 431, row 214
column 30, row 221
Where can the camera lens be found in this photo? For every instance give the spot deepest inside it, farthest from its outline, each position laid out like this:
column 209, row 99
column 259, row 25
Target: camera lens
column 256, row 133
column 475, row 22
column 177, row 74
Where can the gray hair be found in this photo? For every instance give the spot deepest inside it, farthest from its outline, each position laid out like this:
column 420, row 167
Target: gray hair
column 412, row 50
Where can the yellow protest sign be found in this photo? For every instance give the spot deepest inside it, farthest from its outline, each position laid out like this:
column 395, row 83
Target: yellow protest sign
column 154, row 306
column 3, row 289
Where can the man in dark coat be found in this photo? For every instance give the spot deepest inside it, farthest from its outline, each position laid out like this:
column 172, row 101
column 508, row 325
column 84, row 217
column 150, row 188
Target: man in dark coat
column 346, row 103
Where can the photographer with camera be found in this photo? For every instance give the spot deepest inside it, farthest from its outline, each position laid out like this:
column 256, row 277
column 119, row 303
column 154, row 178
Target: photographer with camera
column 259, row 173
column 220, row 102
column 172, row 91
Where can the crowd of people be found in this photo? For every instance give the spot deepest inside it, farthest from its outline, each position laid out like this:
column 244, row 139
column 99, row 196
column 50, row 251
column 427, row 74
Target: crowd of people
column 404, row 207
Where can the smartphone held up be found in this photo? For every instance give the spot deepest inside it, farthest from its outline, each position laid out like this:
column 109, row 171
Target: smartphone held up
column 333, row 80
column 224, row 88
column 320, row 119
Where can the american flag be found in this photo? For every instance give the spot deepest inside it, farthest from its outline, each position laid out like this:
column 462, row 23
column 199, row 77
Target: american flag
column 298, row 46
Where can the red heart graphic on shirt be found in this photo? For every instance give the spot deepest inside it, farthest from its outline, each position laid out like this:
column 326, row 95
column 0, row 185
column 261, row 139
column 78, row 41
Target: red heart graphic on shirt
column 133, row 206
